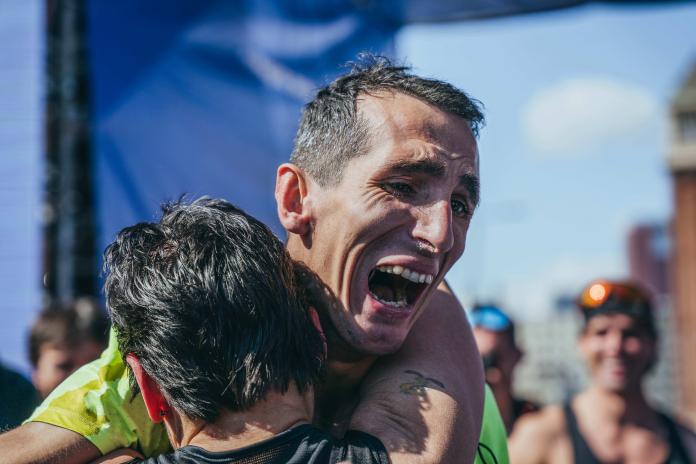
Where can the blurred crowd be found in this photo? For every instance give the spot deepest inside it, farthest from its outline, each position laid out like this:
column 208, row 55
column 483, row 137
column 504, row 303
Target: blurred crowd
column 618, row 346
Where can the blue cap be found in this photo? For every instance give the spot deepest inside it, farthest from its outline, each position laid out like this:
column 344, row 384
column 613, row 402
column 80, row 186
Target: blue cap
column 489, row 317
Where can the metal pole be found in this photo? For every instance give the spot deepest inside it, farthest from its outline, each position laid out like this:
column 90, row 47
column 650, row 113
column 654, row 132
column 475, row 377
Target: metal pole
column 69, row 252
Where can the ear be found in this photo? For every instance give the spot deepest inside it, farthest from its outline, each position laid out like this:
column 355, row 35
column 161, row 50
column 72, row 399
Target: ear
column 156, row 404
column 291, row 196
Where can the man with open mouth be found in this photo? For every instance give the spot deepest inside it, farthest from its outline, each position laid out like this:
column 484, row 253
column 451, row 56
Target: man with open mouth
column 377, row 201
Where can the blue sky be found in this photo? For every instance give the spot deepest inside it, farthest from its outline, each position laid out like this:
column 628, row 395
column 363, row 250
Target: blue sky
column 574, row 151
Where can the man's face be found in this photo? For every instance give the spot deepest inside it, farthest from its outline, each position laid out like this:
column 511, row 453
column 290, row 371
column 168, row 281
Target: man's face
column 618, row 351
column 384, row 237
column 501, row 350
column 55, row 364
column 57, row 361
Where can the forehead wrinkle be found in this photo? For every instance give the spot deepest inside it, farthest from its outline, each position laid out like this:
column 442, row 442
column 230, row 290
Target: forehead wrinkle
column 432, row 167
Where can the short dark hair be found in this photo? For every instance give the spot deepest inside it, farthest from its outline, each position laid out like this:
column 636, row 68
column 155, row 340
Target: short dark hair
column 332, row 132
column 207, row 299
column 68, row 324
column 609, row 297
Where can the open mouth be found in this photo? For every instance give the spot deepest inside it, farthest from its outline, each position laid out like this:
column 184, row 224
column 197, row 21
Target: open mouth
column 397, row 286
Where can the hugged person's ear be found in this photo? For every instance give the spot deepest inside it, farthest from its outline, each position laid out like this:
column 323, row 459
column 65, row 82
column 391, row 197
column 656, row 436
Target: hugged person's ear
column 314, row 316
column 292, row 200
column 155, row 402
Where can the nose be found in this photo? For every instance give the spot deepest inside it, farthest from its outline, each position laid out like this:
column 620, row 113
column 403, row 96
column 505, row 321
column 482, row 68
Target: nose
column 614, row 343
column 434, row 226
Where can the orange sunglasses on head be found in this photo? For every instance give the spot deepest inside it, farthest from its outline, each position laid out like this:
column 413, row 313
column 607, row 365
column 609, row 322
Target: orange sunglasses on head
column 601, row 292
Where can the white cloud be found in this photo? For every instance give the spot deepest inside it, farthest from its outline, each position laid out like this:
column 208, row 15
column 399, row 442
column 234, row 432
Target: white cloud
column 581, row 114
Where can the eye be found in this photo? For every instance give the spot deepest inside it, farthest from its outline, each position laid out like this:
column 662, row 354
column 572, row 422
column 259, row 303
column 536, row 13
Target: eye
column 399, row 189
column 459, row 208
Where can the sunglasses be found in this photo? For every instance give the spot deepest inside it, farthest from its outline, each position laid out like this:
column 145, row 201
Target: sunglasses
column 624, row 297
column 489, row 317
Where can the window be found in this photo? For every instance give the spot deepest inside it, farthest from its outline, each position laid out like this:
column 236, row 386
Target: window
column 687, row 126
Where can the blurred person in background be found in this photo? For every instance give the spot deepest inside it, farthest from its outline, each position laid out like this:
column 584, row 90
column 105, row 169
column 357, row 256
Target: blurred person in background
column 18, row 398
column 610, row 421
column 494, row 332
column 64, row 338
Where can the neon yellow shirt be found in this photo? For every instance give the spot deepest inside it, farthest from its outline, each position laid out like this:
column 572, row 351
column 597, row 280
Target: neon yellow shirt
column 97, row 402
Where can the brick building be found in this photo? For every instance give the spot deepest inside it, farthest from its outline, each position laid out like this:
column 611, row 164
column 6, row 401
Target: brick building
column 682, row 163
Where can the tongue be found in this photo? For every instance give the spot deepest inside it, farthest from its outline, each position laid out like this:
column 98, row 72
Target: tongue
column 384, row 292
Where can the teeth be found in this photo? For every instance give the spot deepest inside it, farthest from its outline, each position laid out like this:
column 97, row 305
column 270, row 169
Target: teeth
column 401, row 303
column 409, row 274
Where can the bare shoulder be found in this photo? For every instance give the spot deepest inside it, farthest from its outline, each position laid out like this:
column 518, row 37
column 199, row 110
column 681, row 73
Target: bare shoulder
column 547, row 423
column 535, row 435
column 425, row 402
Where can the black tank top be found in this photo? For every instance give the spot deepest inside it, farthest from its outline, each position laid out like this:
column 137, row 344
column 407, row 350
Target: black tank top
column 582, row 454
column 299, row 445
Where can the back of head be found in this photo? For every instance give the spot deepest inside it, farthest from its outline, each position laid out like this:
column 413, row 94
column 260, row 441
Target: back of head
column 207, row 300
column 332, row 131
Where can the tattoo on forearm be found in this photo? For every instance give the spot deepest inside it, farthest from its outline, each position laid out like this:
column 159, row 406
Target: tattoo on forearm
column 419, row 383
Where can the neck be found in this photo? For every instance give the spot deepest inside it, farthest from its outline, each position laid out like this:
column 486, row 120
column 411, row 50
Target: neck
column 623, row 405
column 276, row 413
column 337, row 396
column 503, row 398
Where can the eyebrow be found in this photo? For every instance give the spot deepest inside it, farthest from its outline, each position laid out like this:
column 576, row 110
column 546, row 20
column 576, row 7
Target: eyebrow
column 472, row 184
column 437, row 168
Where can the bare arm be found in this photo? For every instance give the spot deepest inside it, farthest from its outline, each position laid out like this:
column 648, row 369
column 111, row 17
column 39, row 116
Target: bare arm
column 425, row 403
column 119, row 456
column 39, row 443
column 535, row 435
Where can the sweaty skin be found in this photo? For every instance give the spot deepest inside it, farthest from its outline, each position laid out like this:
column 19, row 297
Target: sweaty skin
column 407, row 202
column 436, row 415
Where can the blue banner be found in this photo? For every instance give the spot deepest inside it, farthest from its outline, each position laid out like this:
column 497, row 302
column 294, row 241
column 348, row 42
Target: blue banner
column 205, row 97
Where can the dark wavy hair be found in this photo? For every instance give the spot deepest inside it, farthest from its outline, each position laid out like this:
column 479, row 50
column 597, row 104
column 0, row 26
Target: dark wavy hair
column 208, row 300
column 332, row 131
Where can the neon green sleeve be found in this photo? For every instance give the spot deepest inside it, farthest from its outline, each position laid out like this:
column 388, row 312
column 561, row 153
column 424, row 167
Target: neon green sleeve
column 96, row 402
column 493, row 440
